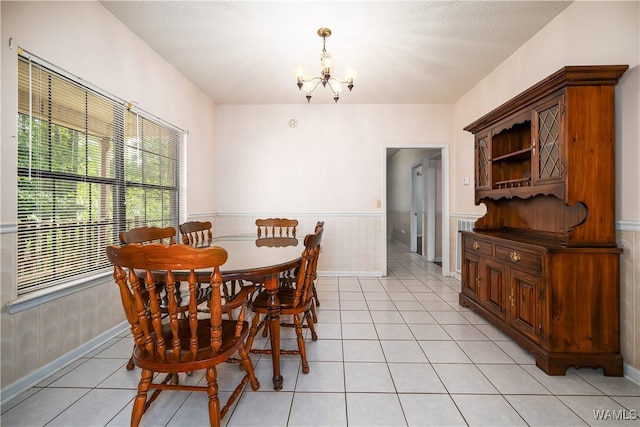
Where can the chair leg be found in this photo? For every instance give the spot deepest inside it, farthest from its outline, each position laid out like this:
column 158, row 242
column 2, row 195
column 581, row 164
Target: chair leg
column 265, row 331
column 311, row 325
column 140, row 402
column 301, row 348
column 253, row 331
column 313, row 312
column 315, row 295
column 314, row 298
column 130, row 364
column 214, row 401
column 248, row 368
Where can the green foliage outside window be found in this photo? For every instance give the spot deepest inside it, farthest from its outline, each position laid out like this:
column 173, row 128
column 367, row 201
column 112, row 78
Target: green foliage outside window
column 88, row 168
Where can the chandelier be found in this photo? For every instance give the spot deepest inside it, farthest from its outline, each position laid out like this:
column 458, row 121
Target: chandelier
column 325, row 78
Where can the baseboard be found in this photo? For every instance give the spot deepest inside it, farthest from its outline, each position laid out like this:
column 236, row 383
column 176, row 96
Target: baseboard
column 350, row 273
column 632, row 374
column 37, row 376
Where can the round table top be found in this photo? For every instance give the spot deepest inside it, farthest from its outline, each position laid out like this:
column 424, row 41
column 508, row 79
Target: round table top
column 250, row 257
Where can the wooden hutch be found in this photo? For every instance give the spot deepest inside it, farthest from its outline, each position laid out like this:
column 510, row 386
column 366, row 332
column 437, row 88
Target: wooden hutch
column 543, row 264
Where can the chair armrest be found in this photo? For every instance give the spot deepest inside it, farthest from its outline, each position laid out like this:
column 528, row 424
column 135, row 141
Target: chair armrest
column 239, row 298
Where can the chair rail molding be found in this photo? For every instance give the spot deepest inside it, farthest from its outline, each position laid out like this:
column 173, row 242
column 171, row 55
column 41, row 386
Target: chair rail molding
column 7, row 228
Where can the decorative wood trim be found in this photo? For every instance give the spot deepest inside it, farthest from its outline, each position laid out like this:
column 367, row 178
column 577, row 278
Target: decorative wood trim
column 567, row 76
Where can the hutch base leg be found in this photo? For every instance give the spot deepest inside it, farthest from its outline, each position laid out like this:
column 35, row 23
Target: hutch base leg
column 557, row 364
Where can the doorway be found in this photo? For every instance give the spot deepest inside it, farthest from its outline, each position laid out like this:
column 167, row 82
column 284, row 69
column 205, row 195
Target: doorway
column 409, row 196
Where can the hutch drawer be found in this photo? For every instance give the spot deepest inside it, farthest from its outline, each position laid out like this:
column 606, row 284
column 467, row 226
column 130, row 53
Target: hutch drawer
column 519, row 258
column 478, row 246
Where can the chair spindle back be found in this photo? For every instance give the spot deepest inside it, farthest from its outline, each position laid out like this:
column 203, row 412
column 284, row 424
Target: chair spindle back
column 196, row 233
column 136, row 270
column 148, row 235
column 276, row 227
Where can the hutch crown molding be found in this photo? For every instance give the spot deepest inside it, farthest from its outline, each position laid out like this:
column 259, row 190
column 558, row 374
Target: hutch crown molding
column 543, row 264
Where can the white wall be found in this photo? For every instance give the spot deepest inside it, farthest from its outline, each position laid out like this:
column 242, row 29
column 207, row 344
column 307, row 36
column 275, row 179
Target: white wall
column 332, row 162
column 87, row 41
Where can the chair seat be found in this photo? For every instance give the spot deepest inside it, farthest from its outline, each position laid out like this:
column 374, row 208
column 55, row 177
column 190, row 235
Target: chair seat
column 205, row 354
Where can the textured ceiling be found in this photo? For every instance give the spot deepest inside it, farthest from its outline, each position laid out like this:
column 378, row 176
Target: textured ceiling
column 404, row 52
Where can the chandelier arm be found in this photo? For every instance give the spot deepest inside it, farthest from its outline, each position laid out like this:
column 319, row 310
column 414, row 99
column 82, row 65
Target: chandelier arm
column 339, row 81
column 314, row 86
column 331, row 87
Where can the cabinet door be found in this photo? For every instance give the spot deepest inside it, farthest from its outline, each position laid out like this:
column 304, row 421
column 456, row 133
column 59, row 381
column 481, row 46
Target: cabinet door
column 483, row 165
column 548, row 157
column 493, row 287
column 470, row 275
column 525, row 300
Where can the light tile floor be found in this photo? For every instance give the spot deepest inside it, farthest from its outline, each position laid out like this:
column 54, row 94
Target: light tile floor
column 392, row 351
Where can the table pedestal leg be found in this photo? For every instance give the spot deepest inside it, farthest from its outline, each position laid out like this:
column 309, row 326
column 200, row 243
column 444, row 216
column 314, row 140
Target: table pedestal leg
column 274, row 329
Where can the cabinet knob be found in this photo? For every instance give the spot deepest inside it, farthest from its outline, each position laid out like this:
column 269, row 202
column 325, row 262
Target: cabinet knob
column 476, row 245
column 514, row 256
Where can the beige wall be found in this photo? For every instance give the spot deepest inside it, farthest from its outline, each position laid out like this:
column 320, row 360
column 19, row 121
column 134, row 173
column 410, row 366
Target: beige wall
column 84, row 39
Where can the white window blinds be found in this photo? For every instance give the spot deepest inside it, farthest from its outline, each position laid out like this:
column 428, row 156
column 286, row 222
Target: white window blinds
column 88, row 168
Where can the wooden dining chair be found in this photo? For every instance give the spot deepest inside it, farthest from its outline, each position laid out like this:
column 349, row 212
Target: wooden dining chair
column 199, row 234
column 276, row 227
column 295, row 301
column 196, row 233
column 316, row 301
column 144, row 235
column 176, row 344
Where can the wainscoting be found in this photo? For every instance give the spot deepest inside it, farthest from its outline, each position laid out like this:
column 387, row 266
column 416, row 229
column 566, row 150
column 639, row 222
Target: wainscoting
column 44, row 336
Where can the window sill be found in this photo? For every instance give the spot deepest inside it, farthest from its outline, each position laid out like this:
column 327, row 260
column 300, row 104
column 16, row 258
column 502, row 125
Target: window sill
column 43, row 296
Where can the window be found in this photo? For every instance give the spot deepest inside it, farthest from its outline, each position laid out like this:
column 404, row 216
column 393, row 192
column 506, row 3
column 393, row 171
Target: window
column 88, row 168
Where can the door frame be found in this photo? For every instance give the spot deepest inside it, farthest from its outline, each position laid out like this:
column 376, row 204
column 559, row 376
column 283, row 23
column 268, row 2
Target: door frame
column 416, row 199
column 444, row 152
column 431, row 195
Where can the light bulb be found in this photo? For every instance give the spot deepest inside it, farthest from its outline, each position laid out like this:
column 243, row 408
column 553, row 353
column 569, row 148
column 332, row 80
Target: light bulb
column 326, row 62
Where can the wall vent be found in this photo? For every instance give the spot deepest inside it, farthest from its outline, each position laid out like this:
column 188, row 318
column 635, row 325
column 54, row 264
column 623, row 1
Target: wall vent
column 461, row 225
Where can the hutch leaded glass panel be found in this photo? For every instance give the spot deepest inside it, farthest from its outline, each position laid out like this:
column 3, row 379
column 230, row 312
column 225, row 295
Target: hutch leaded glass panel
column 482, row 151
column 549, row 143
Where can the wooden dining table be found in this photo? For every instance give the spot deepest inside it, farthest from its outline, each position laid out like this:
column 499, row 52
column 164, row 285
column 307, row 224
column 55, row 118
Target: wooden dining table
column 261, row 261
